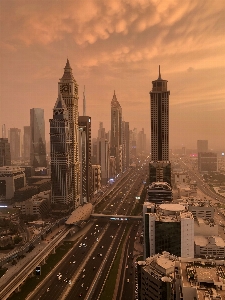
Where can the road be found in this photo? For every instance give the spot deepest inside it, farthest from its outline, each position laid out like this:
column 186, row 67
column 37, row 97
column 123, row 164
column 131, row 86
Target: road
column 86, row 267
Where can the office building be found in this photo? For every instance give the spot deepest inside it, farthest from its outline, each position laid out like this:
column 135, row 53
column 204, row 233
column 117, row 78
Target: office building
column 85, row 159
column 159, row 106
column 202, row 146
column 15, row 143
column 11, row 179
column 159, row 192
column 37, row 141
column 170, row 227
column 26, row 143
column 160, row 171
column 61, row 164
column 5, row 155
column 116, row 133
column 125, row 145
column 68, row 88
column 207, row 162
column 166, row 277
column 141, row 143
column 156, row 277
column 39, row 205
column 103, row 159
column 200, row 279
column 96, row 178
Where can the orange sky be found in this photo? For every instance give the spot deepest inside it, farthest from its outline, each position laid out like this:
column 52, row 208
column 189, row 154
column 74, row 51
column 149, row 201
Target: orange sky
column 117, row 44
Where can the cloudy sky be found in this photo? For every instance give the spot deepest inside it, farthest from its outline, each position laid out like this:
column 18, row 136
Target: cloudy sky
column 117, row 45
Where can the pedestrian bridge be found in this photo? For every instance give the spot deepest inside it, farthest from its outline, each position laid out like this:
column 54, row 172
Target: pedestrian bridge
column 116, row 217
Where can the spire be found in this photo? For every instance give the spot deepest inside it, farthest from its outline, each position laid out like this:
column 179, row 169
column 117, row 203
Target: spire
column 68, row 64
column 84, row 103
column 159, row 73
column 68, row 71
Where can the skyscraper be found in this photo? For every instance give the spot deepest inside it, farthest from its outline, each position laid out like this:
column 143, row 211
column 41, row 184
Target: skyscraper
column 202, row 146
column 61, row 164
column 26, row 142
column 68, row 88
column 5, row 156
column 159, row 105
column 116, row 132
column 85, row 159
column 15, row 143
column 37, row 135
column 159, row 102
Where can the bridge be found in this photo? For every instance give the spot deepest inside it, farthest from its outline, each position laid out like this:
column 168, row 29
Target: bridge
column 116, row 217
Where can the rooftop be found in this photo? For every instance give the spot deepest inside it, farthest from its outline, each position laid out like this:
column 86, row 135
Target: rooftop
column 203, row 241
column 82, row 213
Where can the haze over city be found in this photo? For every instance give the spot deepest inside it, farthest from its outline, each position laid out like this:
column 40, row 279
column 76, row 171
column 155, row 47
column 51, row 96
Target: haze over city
column 117, row 45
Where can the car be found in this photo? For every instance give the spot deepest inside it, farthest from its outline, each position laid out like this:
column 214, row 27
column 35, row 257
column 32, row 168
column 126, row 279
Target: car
column 93, row 257
column 87, row 288
column 69, row 282
column 128, row 280
column 80, row 295
column 83, row 270
column 48, row 289
column 83, row 276
column 94, row 268
column 74, row 262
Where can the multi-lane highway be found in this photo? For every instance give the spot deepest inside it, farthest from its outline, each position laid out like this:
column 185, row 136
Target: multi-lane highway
column 83, row 272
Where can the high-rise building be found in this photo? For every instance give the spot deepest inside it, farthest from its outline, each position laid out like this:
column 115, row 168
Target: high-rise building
column 168, row 227
column 141, row 142
column 126, row 143
column 116, row 133
column 85, row 159
column 160, row 171
column 37, row 135
column 15, row 143
column 68, row 88
column 207, row 162
column 101, row 131
column 103, row 158
column 26, row 142
column 96, row 178
column 156, row 277
column 159, row 104
column 61, row 163
column 5, row 155
column 159, row 192
column 202, row 146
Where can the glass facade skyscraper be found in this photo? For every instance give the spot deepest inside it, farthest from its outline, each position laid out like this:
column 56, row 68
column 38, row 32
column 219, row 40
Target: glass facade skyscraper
column 61, row 164
column 37, row 134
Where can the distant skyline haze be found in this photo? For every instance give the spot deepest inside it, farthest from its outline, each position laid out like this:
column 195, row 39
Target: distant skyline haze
column 117, row 45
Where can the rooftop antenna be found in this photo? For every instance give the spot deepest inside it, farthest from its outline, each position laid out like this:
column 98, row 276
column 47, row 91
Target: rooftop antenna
column 3, row 131
column 84, row 103
column 159, row 73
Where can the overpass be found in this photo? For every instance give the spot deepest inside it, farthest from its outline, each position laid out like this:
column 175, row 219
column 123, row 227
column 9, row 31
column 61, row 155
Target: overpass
column 116, row 217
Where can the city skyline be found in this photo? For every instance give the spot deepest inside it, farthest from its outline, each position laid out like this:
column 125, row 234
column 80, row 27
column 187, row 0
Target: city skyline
column 119, row 51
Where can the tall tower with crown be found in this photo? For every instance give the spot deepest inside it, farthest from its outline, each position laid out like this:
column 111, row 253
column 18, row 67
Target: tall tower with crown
column 61, row 167
column 116, row 132
column 68, row 89
column 160, row 167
